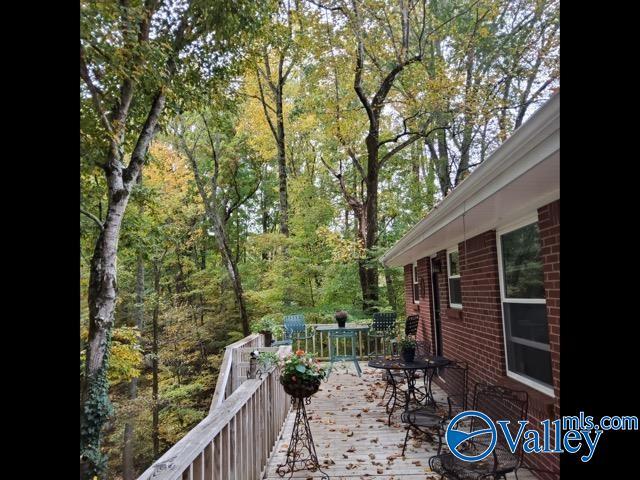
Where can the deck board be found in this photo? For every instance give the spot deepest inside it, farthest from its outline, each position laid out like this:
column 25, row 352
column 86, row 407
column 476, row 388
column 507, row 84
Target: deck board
column 352, row 438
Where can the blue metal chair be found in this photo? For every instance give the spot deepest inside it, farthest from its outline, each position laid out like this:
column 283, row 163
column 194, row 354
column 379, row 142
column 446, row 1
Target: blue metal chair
column 294, row 330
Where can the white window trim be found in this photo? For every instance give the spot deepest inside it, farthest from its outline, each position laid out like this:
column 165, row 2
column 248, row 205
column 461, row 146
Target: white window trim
column 523, row 222
column 414, row 277
column 449, row 277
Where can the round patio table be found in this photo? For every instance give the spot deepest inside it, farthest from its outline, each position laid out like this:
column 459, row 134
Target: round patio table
column 421, row 395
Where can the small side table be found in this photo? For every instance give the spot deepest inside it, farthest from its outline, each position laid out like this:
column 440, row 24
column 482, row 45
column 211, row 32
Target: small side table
column 335, row 334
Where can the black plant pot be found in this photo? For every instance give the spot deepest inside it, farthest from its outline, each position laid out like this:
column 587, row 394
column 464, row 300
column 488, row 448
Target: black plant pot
column 268, row 338
column 408, row 354
column 341, row 322
column 300, row 389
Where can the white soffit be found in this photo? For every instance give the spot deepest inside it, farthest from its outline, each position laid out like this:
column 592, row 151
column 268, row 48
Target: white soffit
column 522, row 175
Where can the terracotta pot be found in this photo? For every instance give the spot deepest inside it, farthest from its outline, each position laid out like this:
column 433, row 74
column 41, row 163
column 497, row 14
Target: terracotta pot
column 300, row 389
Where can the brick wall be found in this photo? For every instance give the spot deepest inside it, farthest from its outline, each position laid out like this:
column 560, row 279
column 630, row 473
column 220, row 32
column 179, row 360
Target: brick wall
column 410, row 307
column 475, row 334
column 549, row 227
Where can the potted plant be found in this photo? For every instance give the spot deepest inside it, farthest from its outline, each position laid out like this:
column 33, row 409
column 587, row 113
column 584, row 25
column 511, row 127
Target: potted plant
column 341, row 318
column 261, row 362
column 300, row 374
column 266, row 360
column 407, row 348
column 270, row 326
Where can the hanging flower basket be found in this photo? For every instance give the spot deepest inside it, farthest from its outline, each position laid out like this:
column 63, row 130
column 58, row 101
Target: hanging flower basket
column 300, row 374
column 300, row 389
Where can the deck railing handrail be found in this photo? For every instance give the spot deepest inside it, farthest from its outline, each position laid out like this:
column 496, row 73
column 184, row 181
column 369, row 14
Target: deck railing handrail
column 235, row 440
column 225, row 384
column 318, row 343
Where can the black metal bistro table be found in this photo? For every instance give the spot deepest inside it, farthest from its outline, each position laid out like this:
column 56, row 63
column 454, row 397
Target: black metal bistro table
column 420, row 394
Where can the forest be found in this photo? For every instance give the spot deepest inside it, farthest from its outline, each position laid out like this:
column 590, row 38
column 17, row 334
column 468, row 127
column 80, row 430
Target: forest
column 243, row 158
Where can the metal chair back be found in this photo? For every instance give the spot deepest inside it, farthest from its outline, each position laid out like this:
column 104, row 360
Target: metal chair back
column 456, row 376
column 500, row 403
column 294, row 326
column 384, row 321
column 411, row 325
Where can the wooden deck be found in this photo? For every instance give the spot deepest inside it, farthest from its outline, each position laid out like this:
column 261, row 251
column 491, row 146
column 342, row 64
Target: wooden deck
column 352, row 438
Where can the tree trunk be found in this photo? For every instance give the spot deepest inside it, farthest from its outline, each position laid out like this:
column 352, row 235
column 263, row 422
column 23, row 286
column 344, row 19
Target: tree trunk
column 391, row 294
column 369, row 267
column 282, row 162
column 128, row 471
column 232, row 268
column 155, row 430
column 96, row 407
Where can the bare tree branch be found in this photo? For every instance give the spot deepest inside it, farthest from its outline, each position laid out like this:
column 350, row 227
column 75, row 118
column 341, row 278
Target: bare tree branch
column 92, row 217
column 96, row 93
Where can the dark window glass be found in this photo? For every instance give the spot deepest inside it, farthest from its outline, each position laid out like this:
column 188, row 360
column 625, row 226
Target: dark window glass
column 530, row 362
column 521, row 263
column 527, row 321
column 453, row 264
column 416, row 292
column 455, row 296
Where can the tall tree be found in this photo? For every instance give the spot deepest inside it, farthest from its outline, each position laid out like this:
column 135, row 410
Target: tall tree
column 407, row 28
column 234, row 178
column 121, row 45
column 271, row 79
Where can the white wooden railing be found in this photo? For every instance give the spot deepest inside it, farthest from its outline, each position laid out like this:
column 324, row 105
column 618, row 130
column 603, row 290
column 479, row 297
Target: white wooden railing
column 233, row 369
column 318, row 344
column 235, row 440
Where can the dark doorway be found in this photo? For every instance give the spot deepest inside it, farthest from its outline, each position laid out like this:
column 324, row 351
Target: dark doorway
column 435, row 322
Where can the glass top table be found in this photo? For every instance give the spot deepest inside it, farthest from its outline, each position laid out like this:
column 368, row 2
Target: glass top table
column 421, row 395
column 335, row 333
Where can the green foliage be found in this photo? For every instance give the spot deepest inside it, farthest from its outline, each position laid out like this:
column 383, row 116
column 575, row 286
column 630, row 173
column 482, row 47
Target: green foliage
column 300, row 367
column 314, row 270
column 267, row 359
column 269, row 323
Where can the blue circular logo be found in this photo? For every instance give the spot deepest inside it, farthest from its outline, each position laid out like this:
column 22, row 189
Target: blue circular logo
column 456, row 438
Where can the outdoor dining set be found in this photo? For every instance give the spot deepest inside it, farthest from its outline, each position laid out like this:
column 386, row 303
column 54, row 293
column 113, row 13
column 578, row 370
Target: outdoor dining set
column 408, row 389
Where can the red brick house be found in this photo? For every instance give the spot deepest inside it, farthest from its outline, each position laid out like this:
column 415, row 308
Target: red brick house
column 482, row 270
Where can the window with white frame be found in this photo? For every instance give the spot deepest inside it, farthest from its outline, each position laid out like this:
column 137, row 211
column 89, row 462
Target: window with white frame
column 416, row 290
column 526, row 331
column 453, row 271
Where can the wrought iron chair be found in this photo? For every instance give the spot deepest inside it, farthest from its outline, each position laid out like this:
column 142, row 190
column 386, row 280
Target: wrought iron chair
column 382, row 329
column 433, row 417
column 294, row 330
column 499, row 403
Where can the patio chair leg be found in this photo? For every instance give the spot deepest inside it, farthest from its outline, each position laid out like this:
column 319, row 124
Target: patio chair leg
column 439, row 441
column 406, row 438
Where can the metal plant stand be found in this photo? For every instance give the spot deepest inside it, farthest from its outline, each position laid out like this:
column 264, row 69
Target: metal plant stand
column 301, row 454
